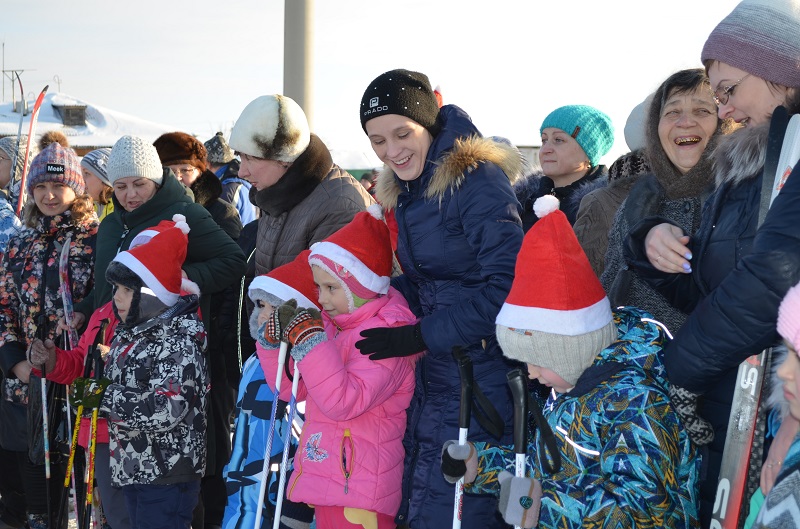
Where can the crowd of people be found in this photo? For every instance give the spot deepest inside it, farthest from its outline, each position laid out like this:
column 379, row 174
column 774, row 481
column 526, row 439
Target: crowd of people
column 161, row 304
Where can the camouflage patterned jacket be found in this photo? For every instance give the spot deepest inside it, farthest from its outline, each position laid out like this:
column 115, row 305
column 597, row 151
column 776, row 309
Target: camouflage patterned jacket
column 156, row 400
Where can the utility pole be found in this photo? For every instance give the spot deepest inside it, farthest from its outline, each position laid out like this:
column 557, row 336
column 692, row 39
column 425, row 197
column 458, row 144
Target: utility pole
column 298, row 54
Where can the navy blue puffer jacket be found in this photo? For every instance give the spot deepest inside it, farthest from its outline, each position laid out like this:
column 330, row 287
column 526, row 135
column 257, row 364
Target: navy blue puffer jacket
column 459, row 235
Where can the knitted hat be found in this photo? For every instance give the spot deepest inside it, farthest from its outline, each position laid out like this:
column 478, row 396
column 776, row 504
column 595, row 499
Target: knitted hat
column 219, row 152
column 57, row 164
column 789, row 317
column 556, row 315
column 132, row 156
column 761, row 37
column 175, row 148
column 158, row 264
column 96, row 161
column 401, row 92
column 591, row 128
column 273, row 127
column 359, row 255
column 8, row 144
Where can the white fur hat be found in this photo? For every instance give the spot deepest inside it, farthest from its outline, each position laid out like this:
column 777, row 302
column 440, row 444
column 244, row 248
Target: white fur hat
column 272, row 127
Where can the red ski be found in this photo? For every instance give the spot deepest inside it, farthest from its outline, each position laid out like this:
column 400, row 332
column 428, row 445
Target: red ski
column 31, row 131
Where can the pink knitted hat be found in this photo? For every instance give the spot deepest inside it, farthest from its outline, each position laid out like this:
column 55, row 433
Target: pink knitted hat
column 789, row 317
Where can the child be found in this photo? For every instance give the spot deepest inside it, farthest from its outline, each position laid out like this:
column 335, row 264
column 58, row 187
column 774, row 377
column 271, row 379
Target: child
column 626, row 460
column 254, row 404
column 781, row 507
column 94, row 169
column 156, row 394
column 349, row 465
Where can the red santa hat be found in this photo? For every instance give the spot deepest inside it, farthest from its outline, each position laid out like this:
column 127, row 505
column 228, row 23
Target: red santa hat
column 557, row 314
column 359, row 255
column 290, row 281
column 159, row 261
column 146, row 234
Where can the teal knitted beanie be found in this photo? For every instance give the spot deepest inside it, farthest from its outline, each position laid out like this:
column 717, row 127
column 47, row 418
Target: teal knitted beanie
column 591, row 128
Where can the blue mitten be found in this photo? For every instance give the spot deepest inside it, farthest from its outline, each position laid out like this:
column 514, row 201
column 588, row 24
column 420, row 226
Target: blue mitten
column 520, row 499
column 459, row 461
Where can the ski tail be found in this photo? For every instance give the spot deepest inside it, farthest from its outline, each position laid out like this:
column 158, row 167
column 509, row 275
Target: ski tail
column 31, row 132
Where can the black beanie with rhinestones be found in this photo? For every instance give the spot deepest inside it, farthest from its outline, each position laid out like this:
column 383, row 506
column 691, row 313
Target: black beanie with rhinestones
column 401, row 92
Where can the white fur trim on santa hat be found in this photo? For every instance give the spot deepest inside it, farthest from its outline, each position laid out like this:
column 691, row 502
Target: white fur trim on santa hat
column 187, row 285
column 566, row 322
column 167, row 298
column 279, row 290
column 545, row 205
column 363, row 274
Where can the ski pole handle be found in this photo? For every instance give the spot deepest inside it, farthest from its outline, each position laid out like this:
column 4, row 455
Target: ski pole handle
column 464, row 413
column 518, row 383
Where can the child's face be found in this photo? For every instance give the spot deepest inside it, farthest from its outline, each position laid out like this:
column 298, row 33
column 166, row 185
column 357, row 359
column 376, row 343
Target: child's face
column 331, row 295
column 122, row 300
column 264, row 309
column 789, row 373
column 549, row 378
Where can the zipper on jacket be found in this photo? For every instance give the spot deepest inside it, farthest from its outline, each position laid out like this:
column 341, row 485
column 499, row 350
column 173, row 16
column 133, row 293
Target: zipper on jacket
column 125, row 231
column 347, row 440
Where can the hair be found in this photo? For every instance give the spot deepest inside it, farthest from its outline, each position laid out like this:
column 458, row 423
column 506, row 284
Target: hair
column 53, row 136
column 81, row 208
column 792, row 102
column 105, row 194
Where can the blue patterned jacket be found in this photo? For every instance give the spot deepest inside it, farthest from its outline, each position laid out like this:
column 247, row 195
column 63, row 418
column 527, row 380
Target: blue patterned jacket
column 626, row 460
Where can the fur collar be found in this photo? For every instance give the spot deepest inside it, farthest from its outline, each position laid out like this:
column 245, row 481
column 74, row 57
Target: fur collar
column 207, row 188
column 451, row 170
column 740, row 156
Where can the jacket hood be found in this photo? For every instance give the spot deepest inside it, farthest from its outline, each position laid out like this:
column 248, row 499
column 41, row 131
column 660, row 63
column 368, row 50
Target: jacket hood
column 455, row 152
column 740, row 155
column 207, row 188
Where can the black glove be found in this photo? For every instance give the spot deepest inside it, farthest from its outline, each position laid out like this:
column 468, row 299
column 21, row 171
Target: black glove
column 684, row 403
column 459, row 461
column 391, row 342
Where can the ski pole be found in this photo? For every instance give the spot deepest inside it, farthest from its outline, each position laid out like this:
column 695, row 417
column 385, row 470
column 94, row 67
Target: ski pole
column 270, row 434
column 69, row 477
column 465, row 411
column 517, row 382
column 40, row 331
column 276, row 522
column 98, row 374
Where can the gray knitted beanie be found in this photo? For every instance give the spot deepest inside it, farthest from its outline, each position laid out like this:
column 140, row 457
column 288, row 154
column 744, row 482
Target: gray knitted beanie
column 132, row 156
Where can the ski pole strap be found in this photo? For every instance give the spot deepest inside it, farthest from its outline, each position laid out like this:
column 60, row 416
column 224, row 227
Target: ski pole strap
column 548, row 451
column 777, row 132
column 464, row 363
column 481, row 407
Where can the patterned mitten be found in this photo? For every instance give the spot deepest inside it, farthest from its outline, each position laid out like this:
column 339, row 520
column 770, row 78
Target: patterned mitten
column 520, row 499
column 459, row 461
column 272, row 329
column 685, row 404
column 304, row 331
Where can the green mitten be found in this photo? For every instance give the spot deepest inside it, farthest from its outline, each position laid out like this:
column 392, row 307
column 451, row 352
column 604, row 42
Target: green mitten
column 520, row 499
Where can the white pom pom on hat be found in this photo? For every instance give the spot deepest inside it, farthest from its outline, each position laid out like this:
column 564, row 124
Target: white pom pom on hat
column 545, row 205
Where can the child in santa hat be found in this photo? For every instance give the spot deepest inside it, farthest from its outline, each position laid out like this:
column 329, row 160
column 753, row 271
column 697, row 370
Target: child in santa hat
column 156, row 382
column 625, row 458
column 349, row 464
column 254, row 402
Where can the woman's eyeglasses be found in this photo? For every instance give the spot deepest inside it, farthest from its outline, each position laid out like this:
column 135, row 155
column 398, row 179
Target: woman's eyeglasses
column 723, row 93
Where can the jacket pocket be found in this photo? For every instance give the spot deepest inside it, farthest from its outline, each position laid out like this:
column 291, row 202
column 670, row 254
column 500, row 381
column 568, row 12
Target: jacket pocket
column 348, row 456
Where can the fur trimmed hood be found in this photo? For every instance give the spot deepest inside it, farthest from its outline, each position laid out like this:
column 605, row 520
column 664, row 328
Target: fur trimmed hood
column 740, row 155
column 451, row 170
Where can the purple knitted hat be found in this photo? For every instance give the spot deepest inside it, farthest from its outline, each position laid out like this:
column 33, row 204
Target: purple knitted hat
column 57, row 164
column 761, row 37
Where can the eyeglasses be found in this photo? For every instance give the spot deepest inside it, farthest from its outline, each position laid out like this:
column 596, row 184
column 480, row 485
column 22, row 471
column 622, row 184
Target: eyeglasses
column 723, row 93
column 186, row 171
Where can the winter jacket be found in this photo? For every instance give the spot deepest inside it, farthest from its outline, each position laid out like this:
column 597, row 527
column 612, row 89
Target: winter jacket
column 737, row 283
column 236, row 191
column 213, row 259
column 626, row 460
column 311, row 201
column 70, row 364
column 533, row 186
column 351, row 450
column 623, row 286
column 29, row 289
column 781, row 507
column 459, row 235
column 9, row 222
column 155, row 402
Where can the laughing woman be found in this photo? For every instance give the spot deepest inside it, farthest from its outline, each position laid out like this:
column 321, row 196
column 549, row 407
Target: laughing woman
column 30, row 306
column 459, row 234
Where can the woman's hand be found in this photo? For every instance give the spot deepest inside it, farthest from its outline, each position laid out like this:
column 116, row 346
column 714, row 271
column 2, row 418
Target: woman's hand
column 77, row 322
column 22, row 371
column 43, row 353
column 666, row 249
column 777, row 452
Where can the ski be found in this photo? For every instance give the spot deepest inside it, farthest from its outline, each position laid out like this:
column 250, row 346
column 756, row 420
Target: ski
column 743, row 450
column 12, row 194
column 31, row 131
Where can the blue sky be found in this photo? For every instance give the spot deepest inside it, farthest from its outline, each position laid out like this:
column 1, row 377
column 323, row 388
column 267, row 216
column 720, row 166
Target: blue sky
column 196, row 64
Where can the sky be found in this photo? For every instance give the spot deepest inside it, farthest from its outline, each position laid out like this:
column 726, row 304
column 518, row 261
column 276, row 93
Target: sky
column 194, row 65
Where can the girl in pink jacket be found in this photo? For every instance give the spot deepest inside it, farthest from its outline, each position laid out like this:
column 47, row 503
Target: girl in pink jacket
column 349, row 464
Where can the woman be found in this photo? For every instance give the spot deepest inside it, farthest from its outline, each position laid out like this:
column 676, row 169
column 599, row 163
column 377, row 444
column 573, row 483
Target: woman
column 738, row 277
column 681, row 126
column 93, row 167
column 459, row 234
column 30, row 306
column 574, row 138
column 145, row 193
